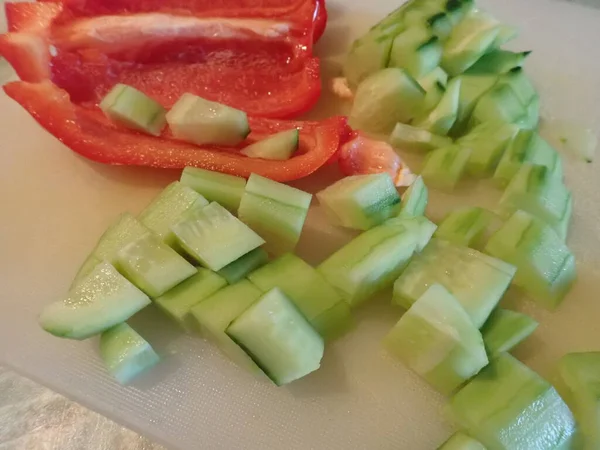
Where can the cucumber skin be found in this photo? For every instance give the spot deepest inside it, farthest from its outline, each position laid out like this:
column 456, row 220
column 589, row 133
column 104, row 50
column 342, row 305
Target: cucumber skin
column 237, row 270
column 227, row 190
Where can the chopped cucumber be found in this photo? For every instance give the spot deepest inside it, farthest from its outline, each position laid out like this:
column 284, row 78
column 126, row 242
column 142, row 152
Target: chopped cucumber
column 472, row 88
column 369, row 56
column 384, row 99
column 505, row 329
column 134, row 109
column 498, row 104
column 465, row 226
column 275, row 211
column 406, row 137
column 152, row 265
column 437, row 340
column 461, row 441
column 506, row 33
column 508, row 406
column 305, row 286
column 436, row 77
column 417, row 12
column 423, row 228
column 531, row 119
column 477, row 281
column 458, row 10
column 414, row 199
column 244, row 265
column 280, row 146
column 166, row 209
column 440, row 25
column 101, row 300
column 125, row 353
column 278, row 338
column 441, row 119
column 545, row 266
column 361, row 201
column 416, row 50
column 214, row 237
column 520, row 84
column 178, row 302
column 200, row 121
column 497, row 62
column 370, row 262
column 445, row 166
column 227, row 190
column 433, row 97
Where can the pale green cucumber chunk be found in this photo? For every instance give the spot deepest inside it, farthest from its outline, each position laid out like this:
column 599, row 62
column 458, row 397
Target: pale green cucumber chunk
column 506, row 33
column 465, row 226
column 437, row 339
column 134, row 109
column 279, row 192
column 280, row 146
column 178, row 302
column 436, row 77
column 215, row 238
column 476, row 280
column 125, row 353
column 278, row 338
column 520, row 84
column 440, row 25
column 414, row 199
column 103, row 299
column 433, row 97
column 423, row 228
column 498, row 62
column 244, row 265
column 200, row 121
column 441, row 119
column 306, row 287
column 227, row 190
column 370, row 262
column 531, row 119
column 361, row 201
column 471, row 89
column 416, row 50
column 384, row 99
column 461, row 441
column 418, row 12
column 508, row 406
column 445, row 166
column 505, row 329
column 457, row 10
column 406, row 137
column 369, row 55
column 498, row 104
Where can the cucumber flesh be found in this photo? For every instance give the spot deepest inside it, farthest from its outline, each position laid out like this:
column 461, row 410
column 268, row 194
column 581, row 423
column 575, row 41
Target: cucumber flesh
column 416, row 50
column 507, row 405
column 134, row 109
column 498, row 104
column 432, row 99
column 125, row 353
column 313, row 296
column 368, row 57
column 200, row 121
column 436, row 339
column 520, row 84
column 461, row 441
column 440, row 25
column 472, row 88
column 441, row 119
column 505, row 329
column 280, row 146
column 506, row 33
column 414, row 199
column 244, row 265
column 498, row 62
column 436, row 77
column 361, row 201
column 466, row 226
column 458, row 10
column 445, row 166
column 178, row 302
column 406, row 137
column 278, row 338
column 226, row 190
column 103, row 299
column 423, row 228
column 476, row 280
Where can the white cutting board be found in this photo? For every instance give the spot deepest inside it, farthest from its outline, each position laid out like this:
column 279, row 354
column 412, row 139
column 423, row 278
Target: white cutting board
column 54, row 206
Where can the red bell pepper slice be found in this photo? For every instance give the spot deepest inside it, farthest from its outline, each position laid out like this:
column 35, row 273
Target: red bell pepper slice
column 89, row 133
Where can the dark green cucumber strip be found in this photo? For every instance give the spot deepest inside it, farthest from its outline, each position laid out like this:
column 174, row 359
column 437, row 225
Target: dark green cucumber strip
column 498, row 62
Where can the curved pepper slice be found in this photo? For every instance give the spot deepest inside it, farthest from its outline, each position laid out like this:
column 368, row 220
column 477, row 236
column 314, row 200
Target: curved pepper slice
column 89, row 133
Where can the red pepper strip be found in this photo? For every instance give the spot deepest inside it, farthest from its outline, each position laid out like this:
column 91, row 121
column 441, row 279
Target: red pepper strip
column 90, row 134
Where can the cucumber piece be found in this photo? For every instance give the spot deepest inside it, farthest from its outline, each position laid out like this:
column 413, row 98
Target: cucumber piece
column 278, row 338
column 406, row 137
column 472, row 88
column 370, row 262
column 275, row 211
column 417, row 13
column 532, row 114
column 317, row 301
column 178, row 302
column 580, row 373
column 125, row 353
column 280, row 146
column 200, row 121
column 215, row 238
column 545, row 266
column 244, row 265
column 440, row 25
column 465, row 226
column 506, row 33
column 508, row 406
column 498, row 62
column 416, row 50
column 227, row 190
column 414, row 199
column 461, row 441
column 476, row 280
column 433, row 97
column 361, row 201
column 167, row 208
column 436, row 77
column 436, row 339
column 498, row 104
column 103, row 299
column 134, row 109
column 458, row 10
column 520, row 84
column 445, row 166
column 384, row 99
column 505, row 329
column 527, row 147
column 488, row 142
column 369, row 56
column 441, row 119
column 424, row 228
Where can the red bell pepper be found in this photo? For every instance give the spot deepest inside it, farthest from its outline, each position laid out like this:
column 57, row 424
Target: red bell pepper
column 89, row 133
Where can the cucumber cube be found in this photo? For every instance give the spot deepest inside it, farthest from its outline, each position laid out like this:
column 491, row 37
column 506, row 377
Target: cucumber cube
column 369, row 56
column 457, row 10
column 278, row 338
column 508, row 406
column 214, row 237
column 461, row 441
column 437, row 340
column 477, row 281
column 498, row 62
column 498, row 104
column 465, row 227
column 472, row 88
column 226, row 190
column 361, row 201
column 505, row 329
column 445, row 166
column 520, row 84
column 440, row 25
column 436, row 77
column 406, row 137
column 416, row 50
column 318, row 301
column 441, row 119
column 125, row 353
column 244, row 265
column 506, row 34
column 152, row 265
column 103, row 299
column 280, row 146
column 433, row 97
column 178, row 302
column 422, row 226
column 414, row 199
